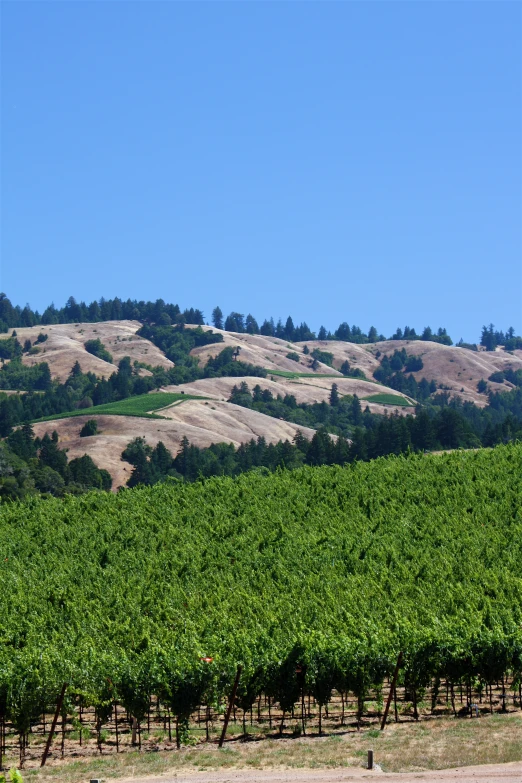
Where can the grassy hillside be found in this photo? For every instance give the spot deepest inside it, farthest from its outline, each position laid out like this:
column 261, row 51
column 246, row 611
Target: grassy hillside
column 142, row 405
column 311, row 579
column 388, row 399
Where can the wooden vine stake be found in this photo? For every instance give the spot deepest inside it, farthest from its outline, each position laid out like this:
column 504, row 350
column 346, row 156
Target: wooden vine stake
column 392, row 690
column 230, row 705
column 53, row 725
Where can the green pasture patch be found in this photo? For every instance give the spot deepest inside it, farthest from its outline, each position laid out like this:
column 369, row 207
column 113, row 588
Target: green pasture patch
column 389, row 399
column 143, row 405
column 292, row 375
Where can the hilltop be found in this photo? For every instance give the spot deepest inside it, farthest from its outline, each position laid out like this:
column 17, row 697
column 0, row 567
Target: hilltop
column 454, row 369
column 234, row 387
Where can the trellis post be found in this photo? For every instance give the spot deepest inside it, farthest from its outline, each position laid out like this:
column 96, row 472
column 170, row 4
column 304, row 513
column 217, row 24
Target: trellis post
column 230, row 705
column 53, row 725
column 392, row 689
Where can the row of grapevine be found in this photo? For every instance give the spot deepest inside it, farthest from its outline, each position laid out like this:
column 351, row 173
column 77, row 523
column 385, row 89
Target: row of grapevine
column 112, row 728
column 313, row 581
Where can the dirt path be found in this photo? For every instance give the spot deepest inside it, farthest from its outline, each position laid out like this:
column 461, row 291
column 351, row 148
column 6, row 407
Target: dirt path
column 486, row 773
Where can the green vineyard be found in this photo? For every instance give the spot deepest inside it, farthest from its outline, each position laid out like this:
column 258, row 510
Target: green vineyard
column 313, row 581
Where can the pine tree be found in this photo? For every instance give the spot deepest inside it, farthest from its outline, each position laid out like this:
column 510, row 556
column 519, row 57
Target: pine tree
column 343, row 332
column 142, row 473
column 251, row 325
column 334, row 395
column 161, row 459
column 217, row 317
column 289, row 329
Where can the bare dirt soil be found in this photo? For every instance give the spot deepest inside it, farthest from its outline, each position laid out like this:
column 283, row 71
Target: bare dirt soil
column 490, row 773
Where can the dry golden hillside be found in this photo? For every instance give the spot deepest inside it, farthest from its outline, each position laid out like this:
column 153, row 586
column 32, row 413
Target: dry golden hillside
column 65, row 345
column 214, row 420
column 268, row 352
column 357, row 356
column 202, row 422
column 305, row 390
column 457, row 370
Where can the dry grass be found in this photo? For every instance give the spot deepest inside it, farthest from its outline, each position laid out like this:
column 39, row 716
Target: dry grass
column 403, row 747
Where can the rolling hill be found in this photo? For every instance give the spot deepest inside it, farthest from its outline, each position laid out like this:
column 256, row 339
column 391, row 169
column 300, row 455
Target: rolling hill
column 65, row 345
column 210, row 418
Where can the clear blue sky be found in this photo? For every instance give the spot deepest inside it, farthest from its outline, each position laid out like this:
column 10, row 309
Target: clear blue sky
column 356, row 161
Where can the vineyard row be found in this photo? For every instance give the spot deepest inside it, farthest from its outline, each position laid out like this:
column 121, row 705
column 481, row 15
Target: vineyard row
column 80, row 731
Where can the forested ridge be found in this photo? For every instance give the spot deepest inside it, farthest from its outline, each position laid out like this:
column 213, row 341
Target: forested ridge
column 162, row 313
column 312, row 580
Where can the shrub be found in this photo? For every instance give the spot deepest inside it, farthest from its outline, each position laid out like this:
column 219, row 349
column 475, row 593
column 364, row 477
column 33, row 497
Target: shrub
column 293, row 356
column 323, row 356
column 482, row 386
column 497, row 377
column 97, row 348
column 89, row 428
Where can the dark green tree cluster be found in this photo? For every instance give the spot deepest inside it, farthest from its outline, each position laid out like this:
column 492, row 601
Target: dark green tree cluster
column 440, row 336
column 177, row 343
column 19, row 377
column 443, row 422
column 351, row 372
column 236, row 322
column 30, row 466
column 355, row 334
column 10, row 348
column 89, row 428
column 339, row 416
column 97, row 348
column 372, row 437
column 164, row 314
column 491, row 337
column 510, row 375
column 102, row 310
column 191, row 463
column 399, row 361
column 392, row 372
column 325, row 357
